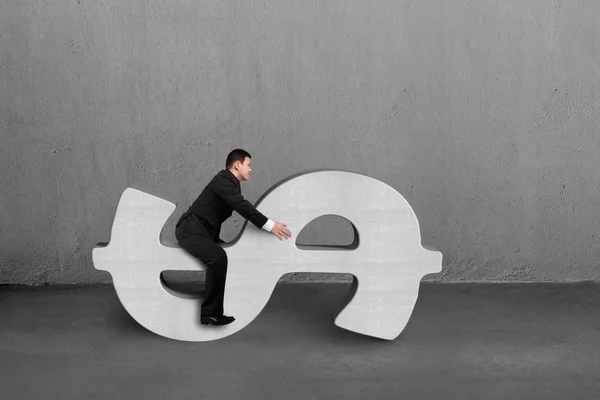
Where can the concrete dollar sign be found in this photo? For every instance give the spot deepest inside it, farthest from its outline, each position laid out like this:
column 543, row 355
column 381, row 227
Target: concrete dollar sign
column 386, row 259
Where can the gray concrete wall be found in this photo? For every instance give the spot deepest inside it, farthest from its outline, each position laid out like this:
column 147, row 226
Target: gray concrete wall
column 484, row 115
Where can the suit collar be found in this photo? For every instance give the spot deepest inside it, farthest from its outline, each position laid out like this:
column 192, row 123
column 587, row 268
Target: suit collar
column 231, row 176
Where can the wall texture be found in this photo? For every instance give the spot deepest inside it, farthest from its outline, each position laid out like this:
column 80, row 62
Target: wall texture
column 484, row 115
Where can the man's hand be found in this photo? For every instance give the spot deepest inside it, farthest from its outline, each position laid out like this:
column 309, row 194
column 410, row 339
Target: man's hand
column 280, row 230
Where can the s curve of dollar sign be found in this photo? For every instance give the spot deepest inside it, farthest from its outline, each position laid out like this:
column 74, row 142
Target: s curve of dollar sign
column 386, row 259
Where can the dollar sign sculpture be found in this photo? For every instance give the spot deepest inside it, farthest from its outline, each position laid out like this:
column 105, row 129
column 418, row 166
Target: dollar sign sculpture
column 386, row 258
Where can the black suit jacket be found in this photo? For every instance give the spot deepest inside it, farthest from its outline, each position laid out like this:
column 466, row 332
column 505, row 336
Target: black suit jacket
column 216, row 203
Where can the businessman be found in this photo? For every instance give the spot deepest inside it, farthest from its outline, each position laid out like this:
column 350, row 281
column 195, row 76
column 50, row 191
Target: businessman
column 198, row 229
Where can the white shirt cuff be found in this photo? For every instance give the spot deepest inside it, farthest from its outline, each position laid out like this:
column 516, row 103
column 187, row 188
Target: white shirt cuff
column 268, row 225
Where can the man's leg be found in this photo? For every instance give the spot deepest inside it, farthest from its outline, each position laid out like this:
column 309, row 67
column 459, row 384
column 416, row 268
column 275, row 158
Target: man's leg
column 215, row 259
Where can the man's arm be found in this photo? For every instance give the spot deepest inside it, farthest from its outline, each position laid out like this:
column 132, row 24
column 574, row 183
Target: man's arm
column 226, row 190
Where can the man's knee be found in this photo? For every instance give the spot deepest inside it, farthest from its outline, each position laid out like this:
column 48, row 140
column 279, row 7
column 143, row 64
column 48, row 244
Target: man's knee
column 221, row 257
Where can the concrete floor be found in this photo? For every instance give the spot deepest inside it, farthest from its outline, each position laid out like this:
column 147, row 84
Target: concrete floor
column 464, row 341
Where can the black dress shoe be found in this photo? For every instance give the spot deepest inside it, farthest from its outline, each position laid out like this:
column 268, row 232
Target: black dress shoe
column 215, row 320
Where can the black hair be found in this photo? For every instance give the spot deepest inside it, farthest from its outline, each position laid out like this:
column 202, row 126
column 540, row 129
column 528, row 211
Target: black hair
column 236, row 155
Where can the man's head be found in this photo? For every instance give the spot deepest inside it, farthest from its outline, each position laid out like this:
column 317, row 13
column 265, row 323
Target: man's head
column 238, row 162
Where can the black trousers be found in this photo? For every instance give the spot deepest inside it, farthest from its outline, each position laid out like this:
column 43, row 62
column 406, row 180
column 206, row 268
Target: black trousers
column 206, row 249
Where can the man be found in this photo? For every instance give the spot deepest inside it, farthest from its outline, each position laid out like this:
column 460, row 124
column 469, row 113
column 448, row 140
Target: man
column 198, row 229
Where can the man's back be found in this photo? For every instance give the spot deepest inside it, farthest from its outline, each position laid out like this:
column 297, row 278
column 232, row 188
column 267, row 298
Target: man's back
column 209, row 206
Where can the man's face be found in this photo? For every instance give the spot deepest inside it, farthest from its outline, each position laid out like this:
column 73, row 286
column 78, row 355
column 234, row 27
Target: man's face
column 244, row 169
